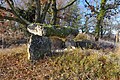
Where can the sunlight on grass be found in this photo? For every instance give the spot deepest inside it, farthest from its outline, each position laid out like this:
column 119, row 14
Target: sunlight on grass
column 72, row 65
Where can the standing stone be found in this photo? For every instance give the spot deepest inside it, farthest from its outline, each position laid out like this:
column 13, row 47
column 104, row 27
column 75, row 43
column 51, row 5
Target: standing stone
column 38, row 47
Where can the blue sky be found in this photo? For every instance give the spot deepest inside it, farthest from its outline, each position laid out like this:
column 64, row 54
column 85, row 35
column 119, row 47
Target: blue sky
column 92, row 2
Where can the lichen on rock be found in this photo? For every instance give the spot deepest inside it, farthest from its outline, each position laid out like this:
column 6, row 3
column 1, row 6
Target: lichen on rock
column 39, row 45
column 36, row 29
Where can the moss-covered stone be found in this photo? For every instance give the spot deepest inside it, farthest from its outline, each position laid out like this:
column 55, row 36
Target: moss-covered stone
column 47, row 30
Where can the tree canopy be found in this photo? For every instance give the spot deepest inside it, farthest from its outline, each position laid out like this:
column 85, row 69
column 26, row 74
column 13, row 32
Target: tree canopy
column 98, row 16
column 26, row 12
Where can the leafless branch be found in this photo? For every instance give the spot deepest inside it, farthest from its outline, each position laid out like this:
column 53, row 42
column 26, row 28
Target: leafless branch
column 5, row 9
column 111, row 6
column 16, row 14
column 91, row 7
column 11, row 18
column 67, row 5
column 87, row 3
column 47, row 5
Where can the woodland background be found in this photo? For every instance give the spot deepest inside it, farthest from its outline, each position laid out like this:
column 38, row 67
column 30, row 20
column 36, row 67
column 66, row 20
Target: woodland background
column 99, row 18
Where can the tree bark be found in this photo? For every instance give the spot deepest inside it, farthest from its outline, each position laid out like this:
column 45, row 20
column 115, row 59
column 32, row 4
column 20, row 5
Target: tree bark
column 100, row 17
column 55, row 11
column 38, row 11
column 97, row 31
column 101, row 32
column 44, row 11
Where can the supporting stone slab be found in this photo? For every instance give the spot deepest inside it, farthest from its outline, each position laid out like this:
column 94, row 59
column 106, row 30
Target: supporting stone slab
column 38, row 47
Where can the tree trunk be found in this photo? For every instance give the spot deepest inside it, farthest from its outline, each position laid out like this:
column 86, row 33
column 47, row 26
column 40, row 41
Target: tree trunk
column 86, row 25
column 100, row 17
column 38, row 11
column 101, row 32
column 54, row 12
column 97, row 31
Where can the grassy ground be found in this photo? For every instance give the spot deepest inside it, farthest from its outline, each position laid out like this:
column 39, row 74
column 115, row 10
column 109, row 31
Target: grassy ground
column 72, row 65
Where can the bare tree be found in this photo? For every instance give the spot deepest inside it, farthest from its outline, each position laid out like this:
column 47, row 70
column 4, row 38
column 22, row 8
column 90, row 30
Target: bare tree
column 105, row 10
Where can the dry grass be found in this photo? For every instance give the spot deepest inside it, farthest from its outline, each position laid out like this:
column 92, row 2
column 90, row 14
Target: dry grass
column 118, row 51
column 80, row 36
column 19, row 49
column 72, row 65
